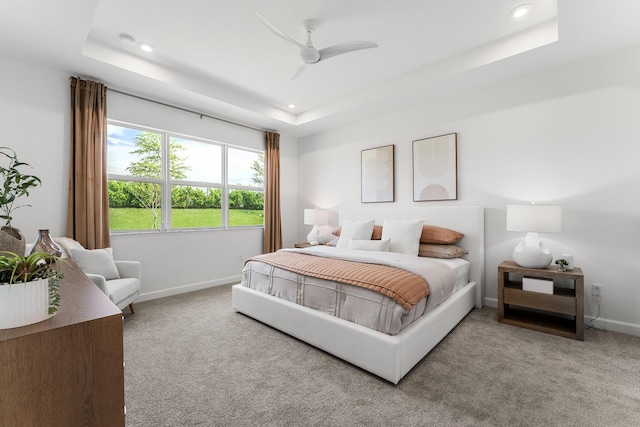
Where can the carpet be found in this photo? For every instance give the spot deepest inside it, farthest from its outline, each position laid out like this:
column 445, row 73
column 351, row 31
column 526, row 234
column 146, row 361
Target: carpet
column 192, row 361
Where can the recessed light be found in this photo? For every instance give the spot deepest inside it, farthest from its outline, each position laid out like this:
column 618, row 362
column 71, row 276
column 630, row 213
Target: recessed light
column 520, row 11
column 127, row 40
column 145, row 46
column 292, row 106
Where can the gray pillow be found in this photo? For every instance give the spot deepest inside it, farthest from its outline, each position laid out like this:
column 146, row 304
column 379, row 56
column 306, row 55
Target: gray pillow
column 96, row 261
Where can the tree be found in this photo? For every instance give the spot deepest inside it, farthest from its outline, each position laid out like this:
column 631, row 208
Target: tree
column 120, row 195
column 149, row 165
column 236, row 199
column 245, row 199
column 258, row 170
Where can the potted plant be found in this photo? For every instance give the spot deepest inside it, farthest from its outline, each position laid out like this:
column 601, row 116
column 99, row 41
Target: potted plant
column 29, row 288
column 15, row 185
column 562, row 264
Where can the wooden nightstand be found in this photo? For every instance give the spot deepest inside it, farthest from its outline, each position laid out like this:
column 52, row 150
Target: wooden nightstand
column 560, row 313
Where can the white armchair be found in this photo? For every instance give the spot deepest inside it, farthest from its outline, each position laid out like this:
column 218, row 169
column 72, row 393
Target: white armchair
column 124, row 291
column 119, row 280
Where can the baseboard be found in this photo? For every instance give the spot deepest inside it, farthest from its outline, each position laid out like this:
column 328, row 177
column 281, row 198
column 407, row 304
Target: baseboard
column 490, row 302
column 601, row 323
column 614, row 326
column 147, row 296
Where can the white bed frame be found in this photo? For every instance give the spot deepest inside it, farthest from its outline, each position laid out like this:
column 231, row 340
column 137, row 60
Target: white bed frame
column 389, row 357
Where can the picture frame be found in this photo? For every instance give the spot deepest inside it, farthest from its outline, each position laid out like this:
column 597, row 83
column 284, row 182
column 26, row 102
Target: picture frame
column 377, row 174
column 435, row 168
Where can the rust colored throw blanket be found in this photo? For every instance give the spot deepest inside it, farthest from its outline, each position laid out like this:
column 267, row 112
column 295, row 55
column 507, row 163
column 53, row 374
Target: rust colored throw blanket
column 406, row 288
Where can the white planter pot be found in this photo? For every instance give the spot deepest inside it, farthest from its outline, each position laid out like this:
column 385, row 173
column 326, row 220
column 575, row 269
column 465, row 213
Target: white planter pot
column 22, row 304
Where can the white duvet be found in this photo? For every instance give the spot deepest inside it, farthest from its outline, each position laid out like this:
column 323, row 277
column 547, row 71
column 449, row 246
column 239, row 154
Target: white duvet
column 440, row 277
column 360, row 305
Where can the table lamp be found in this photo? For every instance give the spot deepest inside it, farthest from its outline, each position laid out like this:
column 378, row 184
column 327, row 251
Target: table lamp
column 534, row 219
column 316, row 217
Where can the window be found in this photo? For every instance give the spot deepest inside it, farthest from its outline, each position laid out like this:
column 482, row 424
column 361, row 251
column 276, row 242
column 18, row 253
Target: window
column 198, row 184
column 246, row 172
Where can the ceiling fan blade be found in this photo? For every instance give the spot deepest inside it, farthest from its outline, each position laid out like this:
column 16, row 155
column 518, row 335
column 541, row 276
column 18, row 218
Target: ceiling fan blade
column 340, row 48
column 300, row 71
column 277, row 32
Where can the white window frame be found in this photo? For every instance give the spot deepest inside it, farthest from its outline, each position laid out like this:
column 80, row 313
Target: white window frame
column 166, row 183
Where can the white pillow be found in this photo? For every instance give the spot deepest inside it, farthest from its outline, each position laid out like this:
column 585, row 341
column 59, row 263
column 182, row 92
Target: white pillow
column 370, row 245
column 404, row 235
column 96, row 261
column 356, row 230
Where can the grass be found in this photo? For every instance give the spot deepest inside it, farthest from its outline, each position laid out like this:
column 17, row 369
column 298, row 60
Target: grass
column 142, row 219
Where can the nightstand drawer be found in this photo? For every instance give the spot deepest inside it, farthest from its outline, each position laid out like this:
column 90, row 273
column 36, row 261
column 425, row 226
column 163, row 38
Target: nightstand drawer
column 556, row 303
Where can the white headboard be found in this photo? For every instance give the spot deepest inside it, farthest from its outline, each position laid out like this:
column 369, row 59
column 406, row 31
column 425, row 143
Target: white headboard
column 468, row 220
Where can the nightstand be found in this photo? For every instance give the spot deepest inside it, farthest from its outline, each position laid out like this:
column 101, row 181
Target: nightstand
column 560, row 313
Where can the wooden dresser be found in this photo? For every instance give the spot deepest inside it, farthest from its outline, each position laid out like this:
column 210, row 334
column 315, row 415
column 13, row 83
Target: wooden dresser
column 67, row 370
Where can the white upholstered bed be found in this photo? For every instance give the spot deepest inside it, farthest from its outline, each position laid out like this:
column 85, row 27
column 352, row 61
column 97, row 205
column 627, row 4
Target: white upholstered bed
column 387, row 356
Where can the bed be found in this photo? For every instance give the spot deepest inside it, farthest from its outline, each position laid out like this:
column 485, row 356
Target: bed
column 390, row 357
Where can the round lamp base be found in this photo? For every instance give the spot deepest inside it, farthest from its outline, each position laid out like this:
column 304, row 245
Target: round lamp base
column 532, row 253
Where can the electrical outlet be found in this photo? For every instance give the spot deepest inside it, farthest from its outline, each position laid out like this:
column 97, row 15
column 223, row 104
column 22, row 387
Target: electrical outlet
column 596, row 290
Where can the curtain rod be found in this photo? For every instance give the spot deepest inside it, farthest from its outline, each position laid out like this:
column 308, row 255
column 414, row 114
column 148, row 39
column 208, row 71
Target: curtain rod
column 185, row 110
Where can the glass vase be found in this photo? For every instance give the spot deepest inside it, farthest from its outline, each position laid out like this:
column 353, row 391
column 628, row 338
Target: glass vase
column 44, row 243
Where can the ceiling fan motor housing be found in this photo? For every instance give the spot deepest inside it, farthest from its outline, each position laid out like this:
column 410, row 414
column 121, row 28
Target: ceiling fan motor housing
column 309, row 55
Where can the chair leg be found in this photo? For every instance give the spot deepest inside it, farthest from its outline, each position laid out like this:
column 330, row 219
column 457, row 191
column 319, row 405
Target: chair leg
column 133, row 310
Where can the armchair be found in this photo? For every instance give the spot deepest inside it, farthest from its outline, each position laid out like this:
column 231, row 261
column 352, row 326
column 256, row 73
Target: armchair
column 117, row 279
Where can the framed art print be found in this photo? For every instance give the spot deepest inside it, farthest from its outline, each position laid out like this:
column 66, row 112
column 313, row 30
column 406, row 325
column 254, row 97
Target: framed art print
column 377, row 175
column 435, row 168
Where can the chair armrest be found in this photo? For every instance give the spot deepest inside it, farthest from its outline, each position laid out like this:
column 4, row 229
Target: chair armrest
column 99, row 280
column 129, row 269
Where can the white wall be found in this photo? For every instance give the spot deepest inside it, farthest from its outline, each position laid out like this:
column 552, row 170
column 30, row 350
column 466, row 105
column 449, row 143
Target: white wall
column 34, row 121
column 34, row 106
column 569, row 136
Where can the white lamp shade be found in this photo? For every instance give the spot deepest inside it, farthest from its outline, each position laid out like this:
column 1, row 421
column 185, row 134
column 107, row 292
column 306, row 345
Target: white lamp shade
column 538, row 218
column 316, row 217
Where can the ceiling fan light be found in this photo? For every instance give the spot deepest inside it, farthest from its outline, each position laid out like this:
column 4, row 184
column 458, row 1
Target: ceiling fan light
column 520, row 11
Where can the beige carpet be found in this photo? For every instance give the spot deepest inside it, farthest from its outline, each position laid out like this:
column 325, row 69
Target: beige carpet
column 192, row 361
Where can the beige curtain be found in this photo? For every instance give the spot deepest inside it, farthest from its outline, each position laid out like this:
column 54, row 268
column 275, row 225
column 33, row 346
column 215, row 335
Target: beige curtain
column 88, row 214
column 272, row 226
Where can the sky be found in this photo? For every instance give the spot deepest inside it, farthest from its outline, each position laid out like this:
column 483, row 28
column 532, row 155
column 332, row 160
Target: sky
column 204, row 158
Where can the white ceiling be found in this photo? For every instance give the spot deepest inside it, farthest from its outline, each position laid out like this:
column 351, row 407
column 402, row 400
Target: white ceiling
column 217, row 57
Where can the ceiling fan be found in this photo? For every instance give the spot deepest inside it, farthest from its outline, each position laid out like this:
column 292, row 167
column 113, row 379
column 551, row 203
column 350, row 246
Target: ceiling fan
column 311, row 55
